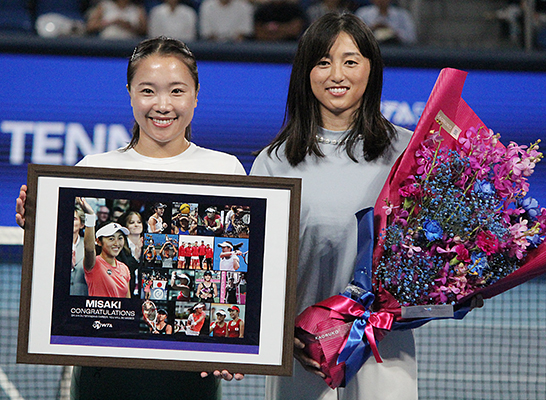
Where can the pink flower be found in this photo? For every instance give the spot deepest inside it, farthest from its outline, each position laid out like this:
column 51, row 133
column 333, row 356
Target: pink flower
column 462, row 253
column 389, row 209
column 488, row 242
column 411, row 248
column 524, row 167
column 410, row 189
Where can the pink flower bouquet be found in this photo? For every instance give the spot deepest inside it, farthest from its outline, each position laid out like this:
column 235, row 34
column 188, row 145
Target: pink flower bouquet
column 455, row 216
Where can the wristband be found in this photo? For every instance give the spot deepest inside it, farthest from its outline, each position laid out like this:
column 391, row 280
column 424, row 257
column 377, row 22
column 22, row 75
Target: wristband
column 90, row 220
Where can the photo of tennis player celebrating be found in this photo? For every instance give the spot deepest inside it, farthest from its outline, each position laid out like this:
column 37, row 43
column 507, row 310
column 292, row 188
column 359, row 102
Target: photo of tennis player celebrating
column 104, row 274
column 229, row 256
column 183, row 222
column 155, row 222
column 169, row 252
column 150, row 253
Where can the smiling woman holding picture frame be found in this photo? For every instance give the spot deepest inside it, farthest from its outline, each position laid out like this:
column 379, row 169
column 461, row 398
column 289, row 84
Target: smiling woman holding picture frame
column 163, row 84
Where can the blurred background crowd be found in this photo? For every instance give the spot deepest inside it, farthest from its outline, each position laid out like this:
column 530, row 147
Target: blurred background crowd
column 443, row 23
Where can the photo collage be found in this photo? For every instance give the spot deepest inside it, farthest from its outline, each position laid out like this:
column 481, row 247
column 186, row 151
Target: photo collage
column 185, row 262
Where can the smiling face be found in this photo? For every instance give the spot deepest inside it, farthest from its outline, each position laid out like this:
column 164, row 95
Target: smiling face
column 134, row 224
column 112, row 245
column 339, row 81
column 163, row 97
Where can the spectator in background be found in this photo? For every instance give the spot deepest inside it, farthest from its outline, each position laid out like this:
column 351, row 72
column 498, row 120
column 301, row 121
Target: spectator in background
column 78, row 285
column 279, row 20
column 389, row 24
column 103, row 214
column 123, row 204
column 538, row 21
column 322, row 7
column 225, row 20
column 173, row 19
column 117, row 19
column 131, row 255
column 116, row 213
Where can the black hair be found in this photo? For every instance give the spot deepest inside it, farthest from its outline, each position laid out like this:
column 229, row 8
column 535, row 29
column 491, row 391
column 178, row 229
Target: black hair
column 302, row 117
column 162, row 46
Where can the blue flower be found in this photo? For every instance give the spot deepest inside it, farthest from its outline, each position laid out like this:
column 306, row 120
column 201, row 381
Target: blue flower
column 530, row 206
column 433, row 230
column 479, row 263
column 483, row 187
column 534, row 241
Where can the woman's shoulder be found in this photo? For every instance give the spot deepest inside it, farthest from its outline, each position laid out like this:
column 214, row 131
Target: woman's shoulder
column 228, row 163
column 205, row 152
column 269, row 161
column 403, row 138
column 108, row 159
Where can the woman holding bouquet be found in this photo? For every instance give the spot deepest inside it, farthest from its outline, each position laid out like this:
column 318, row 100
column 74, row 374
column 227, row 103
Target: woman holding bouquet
column 336, row 139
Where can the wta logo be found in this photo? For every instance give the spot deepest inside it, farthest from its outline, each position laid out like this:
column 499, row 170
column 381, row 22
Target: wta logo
column 99, row 325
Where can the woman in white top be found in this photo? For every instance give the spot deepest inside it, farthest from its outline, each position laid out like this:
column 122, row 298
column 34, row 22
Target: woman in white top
column 163, row 84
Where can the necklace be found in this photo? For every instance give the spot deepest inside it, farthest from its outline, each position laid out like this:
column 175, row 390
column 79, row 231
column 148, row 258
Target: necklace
column 322, row 139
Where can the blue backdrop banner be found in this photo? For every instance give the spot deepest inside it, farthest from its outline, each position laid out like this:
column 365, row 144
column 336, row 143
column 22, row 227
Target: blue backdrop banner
column 56, row 109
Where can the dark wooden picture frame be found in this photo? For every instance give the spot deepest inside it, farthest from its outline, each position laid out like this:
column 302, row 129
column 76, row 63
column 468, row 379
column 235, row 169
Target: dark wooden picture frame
column 57, row 327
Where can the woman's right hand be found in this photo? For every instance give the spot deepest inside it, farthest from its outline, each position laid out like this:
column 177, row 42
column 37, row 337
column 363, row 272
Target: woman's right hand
column 306, row 362
column 20, row 203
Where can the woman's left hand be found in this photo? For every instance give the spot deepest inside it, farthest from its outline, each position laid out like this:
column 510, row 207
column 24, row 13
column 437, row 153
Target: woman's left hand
column 85, row 205
column 224, row 374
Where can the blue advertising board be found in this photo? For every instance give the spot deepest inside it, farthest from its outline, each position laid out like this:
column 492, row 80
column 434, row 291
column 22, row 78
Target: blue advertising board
column 56, row 109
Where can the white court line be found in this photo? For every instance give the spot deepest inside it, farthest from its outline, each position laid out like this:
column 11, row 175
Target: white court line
column 8, row 387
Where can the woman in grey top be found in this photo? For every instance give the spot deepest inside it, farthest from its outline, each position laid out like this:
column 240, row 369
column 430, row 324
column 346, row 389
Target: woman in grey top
column 336, row 139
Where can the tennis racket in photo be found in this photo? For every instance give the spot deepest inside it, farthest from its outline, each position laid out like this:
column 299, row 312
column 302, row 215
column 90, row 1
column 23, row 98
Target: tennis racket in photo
column 149, row 313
